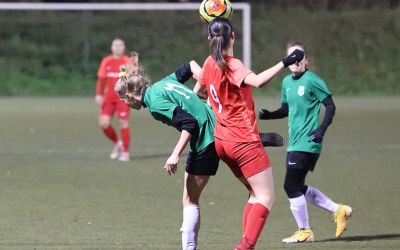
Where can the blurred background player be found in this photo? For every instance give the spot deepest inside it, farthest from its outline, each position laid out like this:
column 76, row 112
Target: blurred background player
column 174, row 104
column 110, row 103
column 301, row 97
column 229, row 84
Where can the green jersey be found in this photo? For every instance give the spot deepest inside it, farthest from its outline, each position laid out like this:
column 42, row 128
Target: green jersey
column 164, row 96
column 304, row 97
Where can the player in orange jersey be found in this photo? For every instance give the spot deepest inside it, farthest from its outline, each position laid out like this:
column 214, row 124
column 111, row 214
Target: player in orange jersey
column 110, row 103
column 229, row 85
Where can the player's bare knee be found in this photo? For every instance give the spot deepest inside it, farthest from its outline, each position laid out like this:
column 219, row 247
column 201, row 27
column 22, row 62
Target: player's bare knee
column 187, row 201
column 104, row 123
column 124, row 123
column 190, row 198
column 267, row 200
column 193, row 197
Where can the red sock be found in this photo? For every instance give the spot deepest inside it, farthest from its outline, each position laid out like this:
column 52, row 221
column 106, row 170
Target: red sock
column 246, row 212
column 111, row 134
column 126, row 138
column 255, row 224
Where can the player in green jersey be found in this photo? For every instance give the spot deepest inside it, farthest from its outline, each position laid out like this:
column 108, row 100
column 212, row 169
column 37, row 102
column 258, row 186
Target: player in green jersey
column 303, row 92
column 174, row 104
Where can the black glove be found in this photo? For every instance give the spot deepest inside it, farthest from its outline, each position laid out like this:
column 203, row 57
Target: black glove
column 294, row 57
column 272, row 139
column 264, row 114
column 317, row 135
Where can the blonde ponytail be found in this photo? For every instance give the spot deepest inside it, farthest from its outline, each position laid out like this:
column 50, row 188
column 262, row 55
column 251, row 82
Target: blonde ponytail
column 132, row 78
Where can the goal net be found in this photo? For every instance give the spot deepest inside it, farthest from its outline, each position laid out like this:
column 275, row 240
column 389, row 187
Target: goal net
column 44, row 44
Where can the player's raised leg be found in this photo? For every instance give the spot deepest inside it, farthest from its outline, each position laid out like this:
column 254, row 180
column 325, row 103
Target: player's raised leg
column 319, row 199
column 193, row 186
column 341, row 213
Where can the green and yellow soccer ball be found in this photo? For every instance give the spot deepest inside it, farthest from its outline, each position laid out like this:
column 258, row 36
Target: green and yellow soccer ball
column 210, row 9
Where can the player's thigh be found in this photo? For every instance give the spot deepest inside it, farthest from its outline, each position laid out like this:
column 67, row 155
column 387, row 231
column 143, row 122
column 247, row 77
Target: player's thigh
column 294, row 183
column 193, row 187
column 262, row 184
column 251, row 158
column 199, row 167
column 106, row 113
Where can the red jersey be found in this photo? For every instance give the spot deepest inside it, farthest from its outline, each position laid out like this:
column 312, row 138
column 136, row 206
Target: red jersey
column 231, row 100
column 108, row 76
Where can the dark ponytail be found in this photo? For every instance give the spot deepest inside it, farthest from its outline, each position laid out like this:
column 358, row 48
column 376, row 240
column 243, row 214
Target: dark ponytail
column 220, row 31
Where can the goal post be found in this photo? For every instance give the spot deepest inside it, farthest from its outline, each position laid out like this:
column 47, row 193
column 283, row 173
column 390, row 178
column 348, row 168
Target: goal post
column 244, row 7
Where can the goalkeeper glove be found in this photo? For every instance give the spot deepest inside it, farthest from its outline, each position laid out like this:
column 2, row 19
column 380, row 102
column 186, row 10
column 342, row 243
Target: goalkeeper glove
column 294, row 57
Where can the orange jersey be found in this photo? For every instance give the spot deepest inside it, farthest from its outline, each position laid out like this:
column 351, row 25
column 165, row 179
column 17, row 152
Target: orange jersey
column 231, row 100
column 108, row 76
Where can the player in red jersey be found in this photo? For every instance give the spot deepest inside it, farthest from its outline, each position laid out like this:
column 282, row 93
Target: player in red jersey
column 109, row 101
column 229, row 85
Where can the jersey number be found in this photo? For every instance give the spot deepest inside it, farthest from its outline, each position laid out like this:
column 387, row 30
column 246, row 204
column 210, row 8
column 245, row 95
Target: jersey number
column 215, row 98
column 182, row 90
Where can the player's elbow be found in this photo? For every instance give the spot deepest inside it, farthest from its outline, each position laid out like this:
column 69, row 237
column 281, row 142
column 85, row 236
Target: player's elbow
column 257, row 85
column 254, row 81
column 191, row 126
column 331, row 107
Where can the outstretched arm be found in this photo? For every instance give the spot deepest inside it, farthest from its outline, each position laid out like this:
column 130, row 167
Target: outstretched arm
column 263, row 78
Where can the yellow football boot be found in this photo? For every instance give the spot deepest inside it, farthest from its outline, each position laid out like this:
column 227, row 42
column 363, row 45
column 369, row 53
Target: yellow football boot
column 300, row 236
column 341, row 218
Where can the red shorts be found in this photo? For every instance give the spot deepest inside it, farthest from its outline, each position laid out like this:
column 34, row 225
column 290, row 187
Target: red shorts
column 245, row 159
column 109, row 107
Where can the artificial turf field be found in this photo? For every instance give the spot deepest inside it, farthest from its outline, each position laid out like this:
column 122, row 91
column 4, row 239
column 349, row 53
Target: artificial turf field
column 59, row 190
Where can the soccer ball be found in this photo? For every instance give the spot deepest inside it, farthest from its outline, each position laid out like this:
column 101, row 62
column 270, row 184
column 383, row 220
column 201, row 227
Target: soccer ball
column 210, row 9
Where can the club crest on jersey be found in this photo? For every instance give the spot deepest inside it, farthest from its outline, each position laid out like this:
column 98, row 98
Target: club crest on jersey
column 301, row 90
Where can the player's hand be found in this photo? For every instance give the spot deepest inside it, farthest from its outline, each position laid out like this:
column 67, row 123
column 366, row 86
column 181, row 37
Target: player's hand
column 294, row 57
column 172, row 164
column 264, row 114
column 99, row 99
column 316, row 135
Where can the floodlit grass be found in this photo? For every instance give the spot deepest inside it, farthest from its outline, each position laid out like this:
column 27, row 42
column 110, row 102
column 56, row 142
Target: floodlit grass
column 59, row 190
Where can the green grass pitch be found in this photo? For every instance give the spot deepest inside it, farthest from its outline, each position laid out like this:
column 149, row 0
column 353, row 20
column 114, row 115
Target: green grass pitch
column 59, row 190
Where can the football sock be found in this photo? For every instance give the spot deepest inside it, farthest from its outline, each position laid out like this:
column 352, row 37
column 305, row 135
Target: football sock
column 319, row 199
column 111, row 134
column 126, row 138
column 190, row 227
column 298, row 206
column 246, row 212
column 258, row 214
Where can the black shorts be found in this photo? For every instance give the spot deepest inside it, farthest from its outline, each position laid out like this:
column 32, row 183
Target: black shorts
column 301, row 160
column 204, row 162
